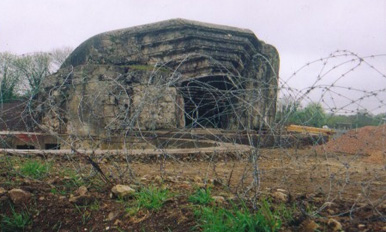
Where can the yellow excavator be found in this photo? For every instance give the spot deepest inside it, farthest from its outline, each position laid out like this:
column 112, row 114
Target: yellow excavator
column 310, row 130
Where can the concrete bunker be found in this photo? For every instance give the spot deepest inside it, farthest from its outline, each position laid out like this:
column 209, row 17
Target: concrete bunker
column 171, row 75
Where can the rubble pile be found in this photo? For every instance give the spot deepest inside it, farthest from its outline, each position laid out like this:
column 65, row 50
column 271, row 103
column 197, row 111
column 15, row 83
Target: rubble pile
column 369, row 140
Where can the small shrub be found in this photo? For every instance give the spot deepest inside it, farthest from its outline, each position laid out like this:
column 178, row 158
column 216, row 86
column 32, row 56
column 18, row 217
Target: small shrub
column 17, row 222
column 34, row 169
column 201, row 196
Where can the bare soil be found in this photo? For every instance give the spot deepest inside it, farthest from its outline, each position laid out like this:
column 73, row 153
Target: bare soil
column 320, row 185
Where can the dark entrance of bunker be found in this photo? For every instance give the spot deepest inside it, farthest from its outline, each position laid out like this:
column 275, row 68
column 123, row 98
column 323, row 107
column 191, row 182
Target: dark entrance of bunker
column 208, row 102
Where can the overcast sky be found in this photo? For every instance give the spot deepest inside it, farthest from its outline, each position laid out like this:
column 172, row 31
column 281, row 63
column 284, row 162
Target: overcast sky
column 301, row 30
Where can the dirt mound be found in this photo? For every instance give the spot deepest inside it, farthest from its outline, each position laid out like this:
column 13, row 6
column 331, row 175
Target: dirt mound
column 367, row 140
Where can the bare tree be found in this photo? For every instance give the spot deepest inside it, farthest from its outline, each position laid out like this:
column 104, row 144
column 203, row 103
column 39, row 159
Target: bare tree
column 9, row 77
column 33, row 69
column 58, row 56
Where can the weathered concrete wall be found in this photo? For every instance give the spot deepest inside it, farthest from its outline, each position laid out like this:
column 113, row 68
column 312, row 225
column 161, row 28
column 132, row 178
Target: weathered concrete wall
column 157, row 106
column 135, row 78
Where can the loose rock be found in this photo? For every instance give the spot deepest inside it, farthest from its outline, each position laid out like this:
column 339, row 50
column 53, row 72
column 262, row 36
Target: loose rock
column 308, row 226
column 122, row 190
column 218, row 199
column 19, row 196
column 197, row 179
column 118, row 222
column 82, row 190
column 279, row 197
column 334, row 225
column 2, row 191
column 111, row 216
column 216, row 182
column 158, row 179
column 82, row 200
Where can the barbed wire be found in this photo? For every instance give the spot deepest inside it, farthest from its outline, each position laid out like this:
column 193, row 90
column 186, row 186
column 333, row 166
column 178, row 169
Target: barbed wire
column 225, row 123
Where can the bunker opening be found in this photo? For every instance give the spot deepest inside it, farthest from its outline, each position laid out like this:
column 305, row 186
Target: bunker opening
column 52, row 146
column 208, row 102
column 25, row 147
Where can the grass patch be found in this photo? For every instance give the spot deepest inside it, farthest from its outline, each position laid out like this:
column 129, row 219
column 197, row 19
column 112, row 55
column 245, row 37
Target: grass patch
column 34, row 169
column 201, row 197
column 237, row 219
column 286, row 213
column 151, row 198
column 16, row 222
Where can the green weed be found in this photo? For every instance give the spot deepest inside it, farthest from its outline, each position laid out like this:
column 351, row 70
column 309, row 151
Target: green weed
column 17, row 222
column 84, row 213
column 73, row 180
column 286, row 213
column 237, row 219
column 272, row 219
column 201, row 196
column 58, row 192
column 151, row 198
column 95, row 205
column 34, row 169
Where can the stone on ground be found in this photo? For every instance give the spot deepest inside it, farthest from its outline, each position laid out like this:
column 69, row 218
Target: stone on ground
column 279, row 196
column 334, row 225
column 120, row 190
column 19, row 196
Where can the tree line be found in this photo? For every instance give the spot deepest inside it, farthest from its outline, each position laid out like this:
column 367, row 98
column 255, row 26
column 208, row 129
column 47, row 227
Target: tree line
column 21, row 75
column 313, row 114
